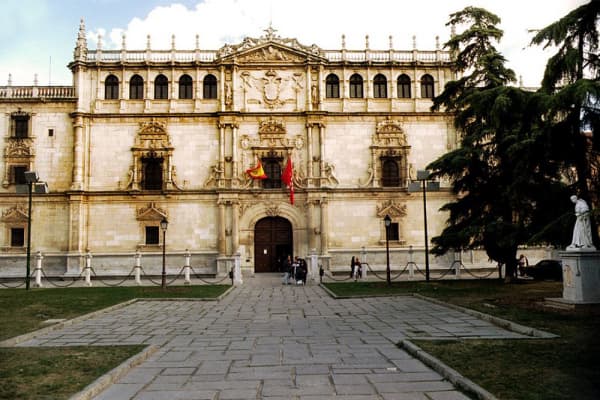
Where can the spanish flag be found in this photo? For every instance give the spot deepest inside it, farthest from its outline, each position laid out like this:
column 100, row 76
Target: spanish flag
column 287, row 178
column 257, row 172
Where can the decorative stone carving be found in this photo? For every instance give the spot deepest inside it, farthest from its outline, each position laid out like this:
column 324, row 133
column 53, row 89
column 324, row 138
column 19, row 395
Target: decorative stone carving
column 150, row 213
column 16, row 214
column 271, row 47
column 272, row 210
column 392, row 209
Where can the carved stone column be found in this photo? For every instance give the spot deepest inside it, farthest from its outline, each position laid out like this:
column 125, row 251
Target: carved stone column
column 234, row 162
column 235, row 223
column 221, row 151
column 221, row 239
column 309, row 150
column 324, row 230
column 77, row 183
column 310, row 225
column 321, row 149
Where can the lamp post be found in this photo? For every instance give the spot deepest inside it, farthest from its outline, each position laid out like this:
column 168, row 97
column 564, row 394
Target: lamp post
column 32, row 183
column 387, row 221
column 426, row 183
column 163, row 225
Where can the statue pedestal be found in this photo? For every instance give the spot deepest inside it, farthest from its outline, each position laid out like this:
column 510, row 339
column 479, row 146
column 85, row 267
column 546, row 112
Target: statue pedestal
column 581, row 276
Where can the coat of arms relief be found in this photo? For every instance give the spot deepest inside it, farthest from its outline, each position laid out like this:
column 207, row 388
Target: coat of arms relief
column 273, row 89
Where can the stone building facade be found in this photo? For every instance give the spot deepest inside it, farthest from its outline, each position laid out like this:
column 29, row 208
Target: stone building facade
column 148, row 134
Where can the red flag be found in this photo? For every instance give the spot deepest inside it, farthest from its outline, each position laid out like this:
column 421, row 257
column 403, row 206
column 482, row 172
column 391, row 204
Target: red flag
column 287, row 178
column 257, row 172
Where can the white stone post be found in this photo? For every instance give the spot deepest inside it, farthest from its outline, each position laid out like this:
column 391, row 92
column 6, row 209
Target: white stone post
column 363, row 257
column 186, row 266
column 88, row 269
column 38, row 269
column 237, row 270
column 138, row 267
column 314, row 268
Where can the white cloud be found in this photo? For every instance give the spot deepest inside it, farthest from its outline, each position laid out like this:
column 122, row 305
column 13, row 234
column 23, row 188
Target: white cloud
column 322, row 23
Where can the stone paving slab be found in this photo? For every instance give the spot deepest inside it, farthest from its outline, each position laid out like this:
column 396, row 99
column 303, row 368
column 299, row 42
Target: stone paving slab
column 266, row 340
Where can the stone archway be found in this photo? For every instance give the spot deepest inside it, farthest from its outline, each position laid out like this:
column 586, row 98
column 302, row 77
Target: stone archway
column 273, row 241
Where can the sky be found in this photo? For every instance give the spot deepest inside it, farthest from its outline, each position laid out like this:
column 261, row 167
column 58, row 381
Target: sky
column 38, row 36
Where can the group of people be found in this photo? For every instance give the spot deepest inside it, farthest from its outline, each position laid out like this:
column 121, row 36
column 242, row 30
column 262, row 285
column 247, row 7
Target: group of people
column 355, row 268
column 294, row 272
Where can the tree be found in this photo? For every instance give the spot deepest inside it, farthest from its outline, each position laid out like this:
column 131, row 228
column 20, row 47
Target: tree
column 499, row 173
column 572, row 84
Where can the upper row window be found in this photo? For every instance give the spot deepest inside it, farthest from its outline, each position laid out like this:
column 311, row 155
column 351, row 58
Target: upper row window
column 332, row 86
column 161, row 87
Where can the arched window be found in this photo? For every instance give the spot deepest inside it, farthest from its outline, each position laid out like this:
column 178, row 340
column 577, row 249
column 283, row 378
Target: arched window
column 185, row 87
column 161, row 87
column 210, row 87
column 356, row 86
column 390, row 173
column 136, row 87
column 404, row 86
column 152, row 178
column 380, row 87
column 427, row 87
column 332, row 87
column 273, row 171
column 111, row 88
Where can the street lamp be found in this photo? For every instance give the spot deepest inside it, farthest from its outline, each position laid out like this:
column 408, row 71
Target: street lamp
column 32, row 184
column 427, row 184
column 388, row 222
column 163, row 225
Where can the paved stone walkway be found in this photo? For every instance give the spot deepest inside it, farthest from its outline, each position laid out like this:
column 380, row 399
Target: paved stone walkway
column 266, row 340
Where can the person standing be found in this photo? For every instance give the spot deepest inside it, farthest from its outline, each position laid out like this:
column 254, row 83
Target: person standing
column 352, row 265
column 523, row 262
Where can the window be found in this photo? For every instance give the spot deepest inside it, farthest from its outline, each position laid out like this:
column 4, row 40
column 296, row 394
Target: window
column 17, row 237
column 18, row 174
column 161, row 87
column 152, row 173
column 380, row 87
column 390, row 173
column 356, row 86
column 136, row 88
column 210, row 87
column 21, row 126
column 404, row 86
column 152, row 235
column 393, row 231
column 427, row 87
column 111, row 88
column 273, row 171
column 185, row 87
column 332, row 87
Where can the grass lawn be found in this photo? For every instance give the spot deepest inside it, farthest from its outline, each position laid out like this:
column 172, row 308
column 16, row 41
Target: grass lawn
column 58, row 373
column 567, row 367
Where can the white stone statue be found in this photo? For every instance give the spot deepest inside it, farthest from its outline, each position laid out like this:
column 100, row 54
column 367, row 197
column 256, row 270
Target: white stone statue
column 582, row 232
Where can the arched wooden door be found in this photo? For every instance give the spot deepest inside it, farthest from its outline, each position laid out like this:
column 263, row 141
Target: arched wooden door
column 273, row 242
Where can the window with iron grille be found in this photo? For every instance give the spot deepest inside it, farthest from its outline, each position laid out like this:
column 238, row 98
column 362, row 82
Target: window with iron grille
column 379, row 87
column 111, row 88
column 17, row 237
column 272, row 169
column 136, row 88
column 356, row 86
column 427, row 87
column 152, row 235
column 332, row 86
column 185, row 87
column 210, row 87
column 161, row 87
column 404, row 86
